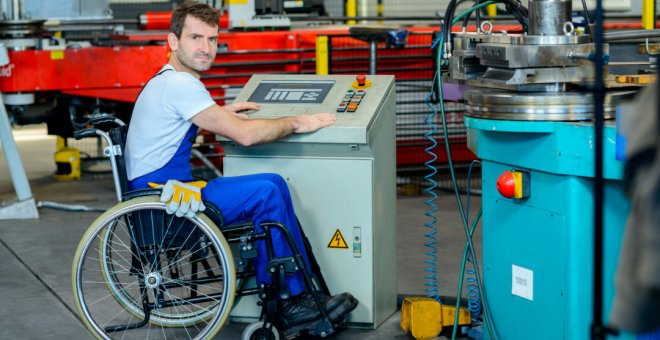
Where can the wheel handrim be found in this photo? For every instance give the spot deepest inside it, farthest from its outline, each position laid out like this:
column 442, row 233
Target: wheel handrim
column 199, row 313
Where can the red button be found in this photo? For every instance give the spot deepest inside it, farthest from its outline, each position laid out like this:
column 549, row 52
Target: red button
column 506, row 184
column 361, row 79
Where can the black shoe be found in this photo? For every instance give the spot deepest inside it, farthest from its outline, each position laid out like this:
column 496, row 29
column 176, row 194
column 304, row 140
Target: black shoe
column 302, row 308
column 300, row 314
column 339, row 306
column 299, row 309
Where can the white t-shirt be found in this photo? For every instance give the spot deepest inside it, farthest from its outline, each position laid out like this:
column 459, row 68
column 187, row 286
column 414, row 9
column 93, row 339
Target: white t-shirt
column 161, row 118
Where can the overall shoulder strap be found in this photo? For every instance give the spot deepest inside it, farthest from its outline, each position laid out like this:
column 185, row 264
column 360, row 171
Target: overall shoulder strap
column 150, row 79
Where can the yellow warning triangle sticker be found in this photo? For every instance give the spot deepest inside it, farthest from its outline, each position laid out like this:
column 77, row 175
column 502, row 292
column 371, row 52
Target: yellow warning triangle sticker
column 337, row 241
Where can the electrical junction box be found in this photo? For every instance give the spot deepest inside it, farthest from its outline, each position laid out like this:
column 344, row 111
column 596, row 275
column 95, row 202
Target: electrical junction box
column 341, row 178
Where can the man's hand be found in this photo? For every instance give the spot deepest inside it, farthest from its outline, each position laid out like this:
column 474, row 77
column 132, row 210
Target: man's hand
column 181, row 198
column 236, row 108
column 311, row 123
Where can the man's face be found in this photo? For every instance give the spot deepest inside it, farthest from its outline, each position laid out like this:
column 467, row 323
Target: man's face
column 196, row 48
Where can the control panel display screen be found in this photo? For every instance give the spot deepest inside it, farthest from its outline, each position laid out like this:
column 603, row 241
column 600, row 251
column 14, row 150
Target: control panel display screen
column 291, row 91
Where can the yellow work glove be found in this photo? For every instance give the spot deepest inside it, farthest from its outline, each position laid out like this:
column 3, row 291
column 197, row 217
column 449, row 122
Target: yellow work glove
column 181, row 198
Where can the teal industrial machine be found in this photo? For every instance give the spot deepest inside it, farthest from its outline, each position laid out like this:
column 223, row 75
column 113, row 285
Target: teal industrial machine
column 538, row 248
column 530, row 121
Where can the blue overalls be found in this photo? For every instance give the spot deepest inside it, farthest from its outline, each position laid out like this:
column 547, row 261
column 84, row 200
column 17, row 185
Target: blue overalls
column 259, row 198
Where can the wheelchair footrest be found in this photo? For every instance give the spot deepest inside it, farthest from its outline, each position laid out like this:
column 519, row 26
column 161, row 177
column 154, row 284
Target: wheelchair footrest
column 318, row 328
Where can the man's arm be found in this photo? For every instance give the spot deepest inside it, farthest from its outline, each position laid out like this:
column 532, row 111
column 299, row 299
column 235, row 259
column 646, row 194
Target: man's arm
column 257, row 131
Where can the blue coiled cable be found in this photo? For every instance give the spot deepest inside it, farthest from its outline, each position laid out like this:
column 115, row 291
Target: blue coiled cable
column 474, row 296
column 475, row 288
column 464, row 216
column 431, row 276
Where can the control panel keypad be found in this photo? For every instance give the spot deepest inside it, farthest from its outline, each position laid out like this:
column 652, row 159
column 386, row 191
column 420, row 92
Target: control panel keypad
column 351, row 101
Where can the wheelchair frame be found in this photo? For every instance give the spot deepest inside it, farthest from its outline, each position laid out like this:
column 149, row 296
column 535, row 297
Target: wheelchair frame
column 158, row 270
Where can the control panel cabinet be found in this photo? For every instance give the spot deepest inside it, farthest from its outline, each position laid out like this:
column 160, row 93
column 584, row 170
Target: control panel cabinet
column 341, row 178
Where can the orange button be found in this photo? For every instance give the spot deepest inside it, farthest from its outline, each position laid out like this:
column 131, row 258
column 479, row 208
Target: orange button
column 352, row 107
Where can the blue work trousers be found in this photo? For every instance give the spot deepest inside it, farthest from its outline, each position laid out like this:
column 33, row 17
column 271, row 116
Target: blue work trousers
column 258, row 198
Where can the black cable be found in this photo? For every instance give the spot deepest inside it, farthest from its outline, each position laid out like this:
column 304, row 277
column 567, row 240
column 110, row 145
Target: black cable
column 585, row 11
column 478, row 14
column 467, row 17
column 519, row 12
column 657, row 105
column 514, row 7
column 446, row 26
column 597, row 331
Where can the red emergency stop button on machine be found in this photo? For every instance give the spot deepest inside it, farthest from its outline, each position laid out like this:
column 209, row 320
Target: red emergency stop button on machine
column 513, row 184
column 361, row 82
column 361, row 79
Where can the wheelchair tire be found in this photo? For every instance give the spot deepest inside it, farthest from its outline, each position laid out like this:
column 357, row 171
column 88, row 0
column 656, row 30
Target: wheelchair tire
column 111, row 275
column 158, row 318
column 255, row 331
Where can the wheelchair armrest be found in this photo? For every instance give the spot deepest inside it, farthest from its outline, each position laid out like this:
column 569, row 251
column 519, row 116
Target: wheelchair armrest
column 141, row 193
column 214, row 213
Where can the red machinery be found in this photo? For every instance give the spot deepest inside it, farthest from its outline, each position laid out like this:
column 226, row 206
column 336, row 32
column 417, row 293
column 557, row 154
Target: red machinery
column 117, row 73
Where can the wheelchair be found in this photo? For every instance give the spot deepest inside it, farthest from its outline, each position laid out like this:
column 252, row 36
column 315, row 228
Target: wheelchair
column 139, row 272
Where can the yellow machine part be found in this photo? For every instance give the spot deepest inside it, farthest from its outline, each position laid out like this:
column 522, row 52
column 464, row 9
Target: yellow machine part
column 68, row 164
column 652, row 48
column 648, row 13
column 351, row 11
column 491, row 10
column 424, row 318
column 641, row 79
column 322, row 61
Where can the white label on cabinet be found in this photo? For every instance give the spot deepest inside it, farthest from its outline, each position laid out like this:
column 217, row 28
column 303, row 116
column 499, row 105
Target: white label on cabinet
column 522, row 282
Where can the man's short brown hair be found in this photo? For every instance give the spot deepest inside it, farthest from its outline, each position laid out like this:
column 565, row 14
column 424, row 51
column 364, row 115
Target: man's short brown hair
column 197, row 10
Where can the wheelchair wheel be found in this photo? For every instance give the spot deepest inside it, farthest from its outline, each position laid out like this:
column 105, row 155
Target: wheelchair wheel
column 139, row 273
column 121, row 294
column 255, row 331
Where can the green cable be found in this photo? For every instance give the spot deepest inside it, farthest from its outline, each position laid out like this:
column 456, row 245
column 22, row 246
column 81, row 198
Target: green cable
column 460, row 203
column 470, row 10
column 469, row 245
column 460, row 281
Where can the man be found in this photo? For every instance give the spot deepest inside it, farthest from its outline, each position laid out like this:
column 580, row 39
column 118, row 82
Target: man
column 167, row 114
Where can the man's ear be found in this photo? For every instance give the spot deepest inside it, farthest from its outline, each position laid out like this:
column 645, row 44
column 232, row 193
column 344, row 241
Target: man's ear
column 173, row 41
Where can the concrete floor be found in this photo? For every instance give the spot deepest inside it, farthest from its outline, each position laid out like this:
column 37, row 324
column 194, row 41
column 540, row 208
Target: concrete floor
column 35, row 273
